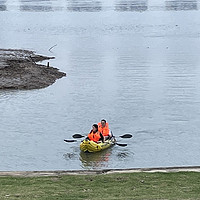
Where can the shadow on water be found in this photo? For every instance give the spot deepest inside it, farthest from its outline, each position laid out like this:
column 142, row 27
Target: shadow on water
column 181, row 5
column 131, row 5
column 95, row 160
column 84, row 6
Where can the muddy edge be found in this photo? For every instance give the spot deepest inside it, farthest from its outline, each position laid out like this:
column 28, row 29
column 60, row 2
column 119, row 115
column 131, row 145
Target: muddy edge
column 96, row 172
column 19, row 70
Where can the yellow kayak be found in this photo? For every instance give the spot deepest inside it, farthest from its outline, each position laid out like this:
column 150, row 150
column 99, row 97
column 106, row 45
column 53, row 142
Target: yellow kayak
column 91, row 146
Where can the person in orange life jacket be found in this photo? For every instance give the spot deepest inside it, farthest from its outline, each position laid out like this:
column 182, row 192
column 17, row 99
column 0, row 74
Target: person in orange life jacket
column 103, row 127
column 95, row 135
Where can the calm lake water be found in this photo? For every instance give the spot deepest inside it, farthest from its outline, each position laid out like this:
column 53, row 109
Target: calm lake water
column 134, row 63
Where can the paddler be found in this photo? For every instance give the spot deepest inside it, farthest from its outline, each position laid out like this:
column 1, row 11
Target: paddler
column 103, row 127
column 95, row 135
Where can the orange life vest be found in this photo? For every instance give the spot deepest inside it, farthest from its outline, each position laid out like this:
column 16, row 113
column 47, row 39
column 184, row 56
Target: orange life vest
column 104, row 130
column 94, row 136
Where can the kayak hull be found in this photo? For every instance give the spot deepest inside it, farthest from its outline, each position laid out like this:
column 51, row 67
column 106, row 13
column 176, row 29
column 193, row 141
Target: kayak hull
column 91, row 146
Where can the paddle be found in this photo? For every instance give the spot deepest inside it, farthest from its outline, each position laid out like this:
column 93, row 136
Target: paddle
column 119, row 144
column 122, row 145
column 70, row 140
column 78, row 135
column 126, row 136
column 122, row 136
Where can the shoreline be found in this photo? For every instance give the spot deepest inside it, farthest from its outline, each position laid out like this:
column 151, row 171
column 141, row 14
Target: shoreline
column 96, row 172
column 19, row 70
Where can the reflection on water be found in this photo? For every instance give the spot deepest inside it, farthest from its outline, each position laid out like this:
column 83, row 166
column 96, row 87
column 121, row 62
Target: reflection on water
column 104, row 159
column 95, row 160
column 37, row 5
column 84, row 5
column 181, row 5
column 2, row 5
column 131, row 5
column 97, row 5
column 35, row 8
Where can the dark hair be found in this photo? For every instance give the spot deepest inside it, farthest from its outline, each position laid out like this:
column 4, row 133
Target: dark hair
column 103, row 120
column 96, row 126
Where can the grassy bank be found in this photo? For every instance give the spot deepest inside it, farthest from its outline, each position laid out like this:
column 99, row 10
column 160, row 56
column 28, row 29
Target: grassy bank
column 180, row 185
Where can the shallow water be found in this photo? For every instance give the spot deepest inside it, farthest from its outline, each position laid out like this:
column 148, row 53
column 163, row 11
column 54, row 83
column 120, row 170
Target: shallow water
column 135, row 63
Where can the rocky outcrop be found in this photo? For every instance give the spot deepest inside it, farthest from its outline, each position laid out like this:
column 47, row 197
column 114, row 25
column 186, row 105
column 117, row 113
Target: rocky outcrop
column 19, row 70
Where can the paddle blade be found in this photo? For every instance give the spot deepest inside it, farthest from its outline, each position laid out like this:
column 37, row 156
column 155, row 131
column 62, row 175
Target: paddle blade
column 70, row 140
column 78, row 135
column 122, row 145
column 126, row 136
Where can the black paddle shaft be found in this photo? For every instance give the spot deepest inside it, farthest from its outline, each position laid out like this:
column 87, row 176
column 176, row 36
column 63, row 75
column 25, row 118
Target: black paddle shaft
column 70, row 140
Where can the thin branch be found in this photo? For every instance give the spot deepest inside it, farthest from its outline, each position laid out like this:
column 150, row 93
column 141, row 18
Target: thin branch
column 52, row 47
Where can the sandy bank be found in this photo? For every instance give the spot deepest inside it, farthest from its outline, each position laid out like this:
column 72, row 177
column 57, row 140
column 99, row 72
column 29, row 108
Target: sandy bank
column 94, row 172
column 19, row 70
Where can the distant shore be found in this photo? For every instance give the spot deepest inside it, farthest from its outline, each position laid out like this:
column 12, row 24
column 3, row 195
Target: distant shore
column 95, row 172
column 19, row 70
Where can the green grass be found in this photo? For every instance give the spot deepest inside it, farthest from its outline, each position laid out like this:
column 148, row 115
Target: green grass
column 181, row 185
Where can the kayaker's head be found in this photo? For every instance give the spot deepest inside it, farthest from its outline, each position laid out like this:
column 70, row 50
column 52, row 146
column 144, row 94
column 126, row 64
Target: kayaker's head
column 103, row 122
column 95, row 128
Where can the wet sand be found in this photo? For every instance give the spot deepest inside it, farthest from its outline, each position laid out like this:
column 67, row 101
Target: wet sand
column 19, row 70
column 95, row 172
